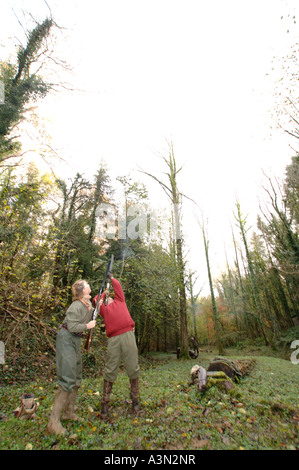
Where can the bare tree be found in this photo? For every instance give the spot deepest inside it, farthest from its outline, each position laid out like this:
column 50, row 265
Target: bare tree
column 175, row 196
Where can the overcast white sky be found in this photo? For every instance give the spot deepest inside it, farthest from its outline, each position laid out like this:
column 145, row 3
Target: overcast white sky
column 196, row 72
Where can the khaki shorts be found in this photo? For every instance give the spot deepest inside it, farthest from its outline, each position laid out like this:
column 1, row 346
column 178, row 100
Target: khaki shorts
column 121, row 348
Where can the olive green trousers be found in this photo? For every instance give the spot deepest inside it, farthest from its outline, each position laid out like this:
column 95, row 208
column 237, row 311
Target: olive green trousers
column 122, row 348
column 68, row 360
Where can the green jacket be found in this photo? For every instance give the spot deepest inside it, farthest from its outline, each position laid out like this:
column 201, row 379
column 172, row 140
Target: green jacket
column 77, row 316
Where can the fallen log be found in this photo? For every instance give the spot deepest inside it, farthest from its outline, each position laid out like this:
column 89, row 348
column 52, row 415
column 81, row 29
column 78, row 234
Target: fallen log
column 221, row 371
column 205, row 380
column 220, row 379
column 235, row 370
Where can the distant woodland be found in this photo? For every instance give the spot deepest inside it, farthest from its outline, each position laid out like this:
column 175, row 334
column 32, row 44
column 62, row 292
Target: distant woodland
column 48, row 240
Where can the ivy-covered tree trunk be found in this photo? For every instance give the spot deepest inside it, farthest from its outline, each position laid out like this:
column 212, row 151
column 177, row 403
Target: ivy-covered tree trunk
column 20, row 88
column 259, row 311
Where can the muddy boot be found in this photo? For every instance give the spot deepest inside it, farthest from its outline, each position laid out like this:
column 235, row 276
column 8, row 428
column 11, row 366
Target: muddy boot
column 69, row 406
column 135, row 394
column 107, row 387
column 54, row 425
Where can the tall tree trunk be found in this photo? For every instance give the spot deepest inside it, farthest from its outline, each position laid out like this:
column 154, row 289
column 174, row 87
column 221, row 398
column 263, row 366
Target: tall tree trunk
column 193, row 300
column 183, row 305
column 214, row 306
column 175, row 197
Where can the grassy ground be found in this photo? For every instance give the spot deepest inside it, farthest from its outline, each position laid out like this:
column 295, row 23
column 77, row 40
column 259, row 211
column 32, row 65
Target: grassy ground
column 261, row 412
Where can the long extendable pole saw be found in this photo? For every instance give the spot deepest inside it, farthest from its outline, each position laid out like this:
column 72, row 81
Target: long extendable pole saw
column 96, row 310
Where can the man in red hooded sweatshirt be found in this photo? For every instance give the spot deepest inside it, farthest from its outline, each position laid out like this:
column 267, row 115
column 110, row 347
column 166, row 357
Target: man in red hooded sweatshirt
column 121, row 345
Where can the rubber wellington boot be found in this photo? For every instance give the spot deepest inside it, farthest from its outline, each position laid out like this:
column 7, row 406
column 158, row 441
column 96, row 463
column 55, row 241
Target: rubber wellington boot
column 107, row 387
column 54, row 425
column 135, row 394
column 70, row 406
